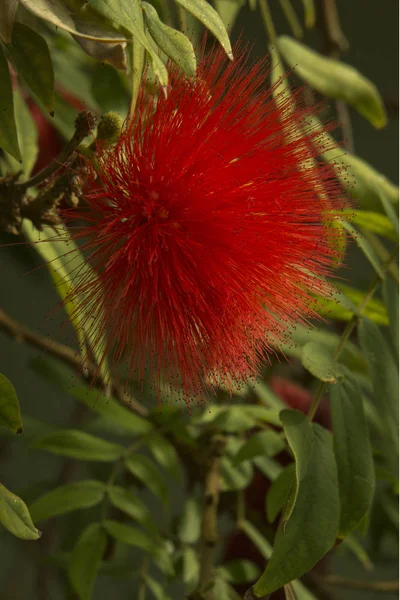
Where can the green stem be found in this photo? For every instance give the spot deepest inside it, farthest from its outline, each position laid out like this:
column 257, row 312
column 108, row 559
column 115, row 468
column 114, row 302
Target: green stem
column 268, row 22
column 317, row 399
column 135, row 84
column 382, row 253
column 115, row 470
column 292, row 19
column 350, row 327
column 143, row 572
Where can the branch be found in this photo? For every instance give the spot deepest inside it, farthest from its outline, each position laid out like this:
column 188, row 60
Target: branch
column 334, row 35
column 68, row 356
column 84, row 124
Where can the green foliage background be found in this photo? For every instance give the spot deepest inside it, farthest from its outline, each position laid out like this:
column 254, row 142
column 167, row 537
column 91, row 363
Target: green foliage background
column 153, row 515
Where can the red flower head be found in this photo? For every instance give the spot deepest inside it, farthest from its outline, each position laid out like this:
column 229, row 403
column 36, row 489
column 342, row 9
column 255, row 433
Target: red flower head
column 208, row 228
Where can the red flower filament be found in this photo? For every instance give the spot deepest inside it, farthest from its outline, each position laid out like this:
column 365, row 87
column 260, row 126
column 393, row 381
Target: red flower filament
column 207, row 228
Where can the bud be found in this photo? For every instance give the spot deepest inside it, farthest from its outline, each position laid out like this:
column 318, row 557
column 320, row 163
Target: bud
column 109, row 127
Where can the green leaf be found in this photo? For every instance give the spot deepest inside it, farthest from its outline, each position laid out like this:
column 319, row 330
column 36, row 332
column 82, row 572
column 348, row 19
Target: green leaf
column 234, row 477
column 319, row 362
column 365, row 247
column 233, row 419
column 108, row 89
column 257, row 538
column 269, row 467
column 70, row 272
column 10, row 413
column 263, row 443
column 31, row 57
column 384, row 374
column 353, row 454
column 309, row 13
column 190, row 522
column 79, row 445
column 172, row 42
column 56, row 13
column 358, row 178
column 357, row 548
column 238, row 417
column 8, row 8
column 291, row 18
column 137, row 59
column 64, row 117
column 355, row 297
column 130, row 535
column 14, row 516
column 314, row 517
column 342, row 305
column 351, row 355
column 67, row 498
column 204, row 12
column 190, row 567
column 73, row 71
column 90, row 28
column 85, row 560
column 165, row 454
column 229, row 11
column 109, row 408
column 221, row 589
column 391, row 295
column 123, row 14
column 156, row 588
column 8, row 128
column 279, row 492
column 27, row 136
column 267, row 396
column 335, row 79
column 128, row 503
column 148, row 473
column 265, row 549
column 240, row 571
column 389, row 211
column 261, row 413
column 373, row 221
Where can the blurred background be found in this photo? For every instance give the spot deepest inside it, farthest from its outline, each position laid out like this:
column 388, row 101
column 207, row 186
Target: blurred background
column 26, row 294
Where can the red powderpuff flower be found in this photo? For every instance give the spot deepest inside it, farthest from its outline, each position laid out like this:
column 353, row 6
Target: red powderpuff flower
column 209, row 226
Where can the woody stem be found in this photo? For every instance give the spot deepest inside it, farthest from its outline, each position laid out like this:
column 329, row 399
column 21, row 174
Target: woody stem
column 84, row 124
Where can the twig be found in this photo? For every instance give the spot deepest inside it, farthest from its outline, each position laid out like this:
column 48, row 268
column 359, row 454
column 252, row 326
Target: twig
column 382, row 253
column 84, row 124
column 208, row 538
column 334, row 35
column 385, row 587
column 68, row 356
column 292, row 19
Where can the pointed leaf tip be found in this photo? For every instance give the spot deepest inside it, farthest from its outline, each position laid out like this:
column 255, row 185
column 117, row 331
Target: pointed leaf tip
column 10, row 414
